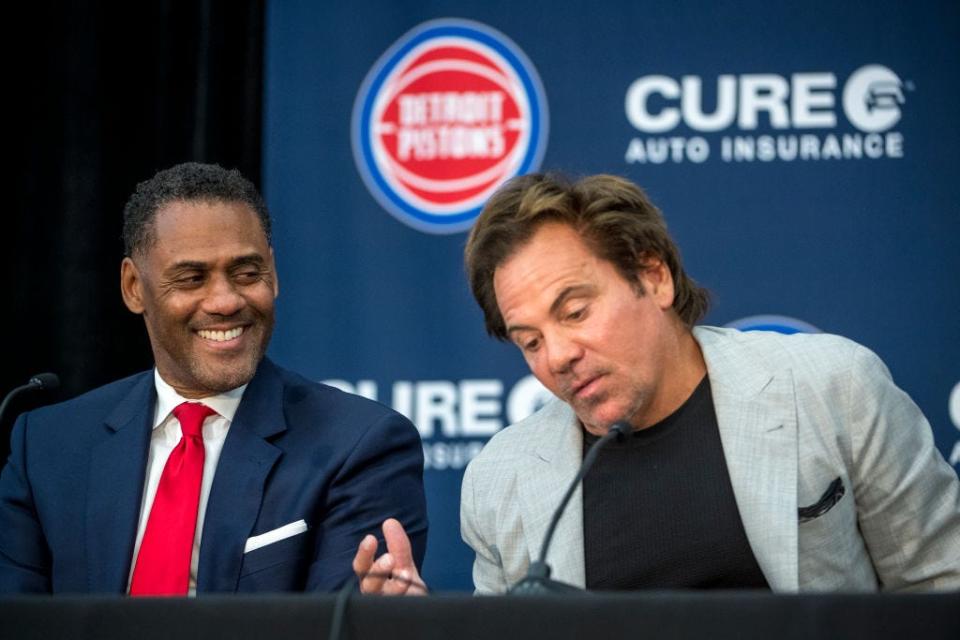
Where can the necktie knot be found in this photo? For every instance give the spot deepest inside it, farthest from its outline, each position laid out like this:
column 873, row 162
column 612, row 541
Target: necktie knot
column 191, row 416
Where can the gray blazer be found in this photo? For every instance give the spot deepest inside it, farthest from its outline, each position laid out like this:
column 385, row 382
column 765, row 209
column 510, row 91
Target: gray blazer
column 795, row 413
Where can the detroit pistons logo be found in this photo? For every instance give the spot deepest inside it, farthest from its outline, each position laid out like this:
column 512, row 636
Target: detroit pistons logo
column 448, row 113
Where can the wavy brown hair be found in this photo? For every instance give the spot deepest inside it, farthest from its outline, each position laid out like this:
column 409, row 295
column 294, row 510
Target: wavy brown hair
column 613, row 216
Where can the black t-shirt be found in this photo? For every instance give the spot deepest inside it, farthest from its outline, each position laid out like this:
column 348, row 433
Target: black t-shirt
column 659, row 510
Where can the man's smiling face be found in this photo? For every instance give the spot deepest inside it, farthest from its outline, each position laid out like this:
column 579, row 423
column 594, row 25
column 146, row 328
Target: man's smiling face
column 206, row 286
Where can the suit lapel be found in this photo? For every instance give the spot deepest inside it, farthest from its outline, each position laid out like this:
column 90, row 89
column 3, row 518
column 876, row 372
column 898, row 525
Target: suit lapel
column 554, row 461
column 115, row 491
column 238, row 485
column 756, row 414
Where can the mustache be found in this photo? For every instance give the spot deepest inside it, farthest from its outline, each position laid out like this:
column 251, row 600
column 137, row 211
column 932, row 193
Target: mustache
column 244, row 318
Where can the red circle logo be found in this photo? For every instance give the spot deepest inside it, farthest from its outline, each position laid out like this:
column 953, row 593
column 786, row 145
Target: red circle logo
column 448, row 114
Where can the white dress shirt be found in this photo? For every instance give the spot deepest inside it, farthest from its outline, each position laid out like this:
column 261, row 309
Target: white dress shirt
column 165, row 437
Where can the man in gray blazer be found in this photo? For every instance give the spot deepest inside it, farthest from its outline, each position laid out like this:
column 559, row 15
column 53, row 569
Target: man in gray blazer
column 756, row 460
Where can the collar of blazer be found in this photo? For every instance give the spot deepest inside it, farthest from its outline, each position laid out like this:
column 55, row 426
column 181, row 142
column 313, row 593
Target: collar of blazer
column 757, row 417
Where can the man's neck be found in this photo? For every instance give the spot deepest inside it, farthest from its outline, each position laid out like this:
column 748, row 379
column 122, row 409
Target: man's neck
column 687, row 368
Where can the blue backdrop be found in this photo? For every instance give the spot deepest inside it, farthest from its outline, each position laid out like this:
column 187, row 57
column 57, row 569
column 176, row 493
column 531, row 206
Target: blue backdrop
column 806, row 159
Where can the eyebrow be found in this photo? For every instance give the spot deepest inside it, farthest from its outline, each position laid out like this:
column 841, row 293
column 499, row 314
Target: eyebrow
column 252, row 258
column 571, row 291
column 187, row 265
column 518, row 327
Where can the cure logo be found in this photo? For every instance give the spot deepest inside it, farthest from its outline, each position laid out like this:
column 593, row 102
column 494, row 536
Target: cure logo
column 445, row 116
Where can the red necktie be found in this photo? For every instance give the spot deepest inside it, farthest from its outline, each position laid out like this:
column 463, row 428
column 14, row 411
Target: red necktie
column 163, row 564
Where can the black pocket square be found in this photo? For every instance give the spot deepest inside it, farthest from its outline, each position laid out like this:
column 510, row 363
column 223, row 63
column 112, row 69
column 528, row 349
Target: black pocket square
column 829, row 498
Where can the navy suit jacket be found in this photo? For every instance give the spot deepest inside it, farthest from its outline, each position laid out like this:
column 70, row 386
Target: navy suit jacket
column 71, row 491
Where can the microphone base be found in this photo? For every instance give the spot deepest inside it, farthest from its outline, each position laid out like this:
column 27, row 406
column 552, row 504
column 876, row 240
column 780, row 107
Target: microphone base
column 537, row 582
column 535, row 586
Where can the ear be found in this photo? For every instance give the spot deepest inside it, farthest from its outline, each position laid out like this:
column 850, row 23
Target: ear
column 131, row 285
column 276, row 281
column 657, row 282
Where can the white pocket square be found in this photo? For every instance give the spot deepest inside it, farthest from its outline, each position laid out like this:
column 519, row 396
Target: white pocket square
column 276, row 535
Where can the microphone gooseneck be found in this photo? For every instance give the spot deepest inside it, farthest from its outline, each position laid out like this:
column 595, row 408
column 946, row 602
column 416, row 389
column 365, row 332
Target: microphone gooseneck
column 537, row 581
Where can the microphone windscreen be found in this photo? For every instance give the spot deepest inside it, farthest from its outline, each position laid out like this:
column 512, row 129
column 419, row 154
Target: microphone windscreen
column 46, row 380
column 622, row 428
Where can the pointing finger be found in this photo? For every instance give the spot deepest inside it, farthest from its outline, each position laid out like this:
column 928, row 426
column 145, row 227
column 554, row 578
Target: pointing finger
column 398, row 544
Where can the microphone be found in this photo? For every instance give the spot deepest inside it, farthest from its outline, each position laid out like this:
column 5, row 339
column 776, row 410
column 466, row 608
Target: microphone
column 41, row 381
column 537, row 581
column 47, row 381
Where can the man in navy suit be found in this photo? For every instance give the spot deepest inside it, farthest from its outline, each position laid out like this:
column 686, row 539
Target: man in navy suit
column 291, row 473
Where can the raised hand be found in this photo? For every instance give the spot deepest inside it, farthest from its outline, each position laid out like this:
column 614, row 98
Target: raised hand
column 394, row 573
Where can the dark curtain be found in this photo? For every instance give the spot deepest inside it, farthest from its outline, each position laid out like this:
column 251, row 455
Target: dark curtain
column 100, row 97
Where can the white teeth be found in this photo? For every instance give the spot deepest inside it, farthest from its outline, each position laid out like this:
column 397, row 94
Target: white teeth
column 220, row 336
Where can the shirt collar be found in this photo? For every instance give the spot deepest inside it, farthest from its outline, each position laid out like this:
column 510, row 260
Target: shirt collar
column 225, row 404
